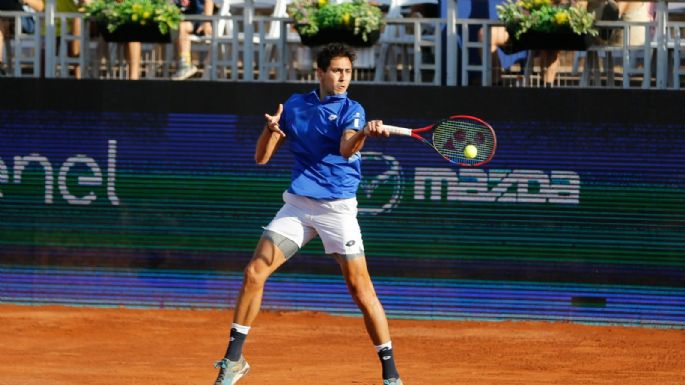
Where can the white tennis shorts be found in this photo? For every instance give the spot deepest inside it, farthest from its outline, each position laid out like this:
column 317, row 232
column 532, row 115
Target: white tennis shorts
column 301, row 219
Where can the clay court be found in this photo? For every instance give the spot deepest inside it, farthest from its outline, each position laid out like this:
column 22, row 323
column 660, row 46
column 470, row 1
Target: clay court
column 79, row 345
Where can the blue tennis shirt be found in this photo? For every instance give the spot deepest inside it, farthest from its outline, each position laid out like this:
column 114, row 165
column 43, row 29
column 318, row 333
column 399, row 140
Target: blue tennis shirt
column 313, row 129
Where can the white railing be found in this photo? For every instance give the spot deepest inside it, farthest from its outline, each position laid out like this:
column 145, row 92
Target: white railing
column 411, row 51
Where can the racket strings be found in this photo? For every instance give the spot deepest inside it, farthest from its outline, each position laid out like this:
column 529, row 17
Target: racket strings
column 451, row 136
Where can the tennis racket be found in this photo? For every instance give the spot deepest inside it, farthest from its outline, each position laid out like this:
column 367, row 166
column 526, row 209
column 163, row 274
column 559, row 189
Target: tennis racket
column 460, row 139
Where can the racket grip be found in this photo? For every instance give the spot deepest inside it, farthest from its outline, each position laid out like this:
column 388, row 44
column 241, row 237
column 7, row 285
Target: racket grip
column 394, row 130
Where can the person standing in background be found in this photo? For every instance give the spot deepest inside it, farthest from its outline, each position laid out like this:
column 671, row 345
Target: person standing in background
column 185, row 68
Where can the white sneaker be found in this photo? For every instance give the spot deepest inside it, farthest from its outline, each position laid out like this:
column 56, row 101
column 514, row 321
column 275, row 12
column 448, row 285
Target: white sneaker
column 184, row 72
column 393, row 381
column 230, row 372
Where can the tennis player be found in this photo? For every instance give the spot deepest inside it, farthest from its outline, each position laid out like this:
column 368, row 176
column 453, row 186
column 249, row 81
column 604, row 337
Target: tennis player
column 326, row 130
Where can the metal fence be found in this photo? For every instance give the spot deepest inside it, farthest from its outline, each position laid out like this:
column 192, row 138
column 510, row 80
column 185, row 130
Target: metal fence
column 410, row 51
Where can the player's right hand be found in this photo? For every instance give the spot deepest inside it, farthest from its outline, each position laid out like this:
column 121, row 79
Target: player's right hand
column 272, row 121
column 375, row 128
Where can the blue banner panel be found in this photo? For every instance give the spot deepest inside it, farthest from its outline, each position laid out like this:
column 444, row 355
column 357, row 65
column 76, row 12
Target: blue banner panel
column 109, row 202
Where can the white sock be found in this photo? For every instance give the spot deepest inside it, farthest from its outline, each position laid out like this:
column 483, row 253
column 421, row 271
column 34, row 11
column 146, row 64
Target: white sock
column 383, row 346
column 240, row 328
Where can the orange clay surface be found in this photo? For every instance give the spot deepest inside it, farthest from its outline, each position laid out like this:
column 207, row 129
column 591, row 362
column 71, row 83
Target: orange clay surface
column 70, row 345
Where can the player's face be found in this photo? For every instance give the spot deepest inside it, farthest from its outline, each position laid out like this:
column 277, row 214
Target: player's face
column 336, row 78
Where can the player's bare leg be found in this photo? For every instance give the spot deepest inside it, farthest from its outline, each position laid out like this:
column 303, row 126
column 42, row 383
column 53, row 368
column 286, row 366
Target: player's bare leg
column 265, row 260
column 361, row 288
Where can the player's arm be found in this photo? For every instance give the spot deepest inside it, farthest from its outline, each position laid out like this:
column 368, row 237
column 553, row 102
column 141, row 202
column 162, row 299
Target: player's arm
column 270, row 139
column 353, row 141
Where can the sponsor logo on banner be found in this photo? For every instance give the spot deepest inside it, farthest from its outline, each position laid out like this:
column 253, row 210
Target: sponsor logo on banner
column 383, row 185
column 82, row 162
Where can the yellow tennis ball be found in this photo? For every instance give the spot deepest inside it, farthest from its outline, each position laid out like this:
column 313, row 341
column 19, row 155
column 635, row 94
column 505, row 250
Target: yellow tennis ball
column 470, row 151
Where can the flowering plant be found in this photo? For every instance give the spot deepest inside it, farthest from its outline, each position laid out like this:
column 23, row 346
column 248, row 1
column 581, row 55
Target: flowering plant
column 115, row 13
column 359, row 16
column 521, row 16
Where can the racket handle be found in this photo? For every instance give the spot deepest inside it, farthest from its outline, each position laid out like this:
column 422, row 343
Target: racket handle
column 394, row 130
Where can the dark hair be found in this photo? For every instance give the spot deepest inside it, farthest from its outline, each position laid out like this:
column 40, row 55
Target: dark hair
column 331, row 51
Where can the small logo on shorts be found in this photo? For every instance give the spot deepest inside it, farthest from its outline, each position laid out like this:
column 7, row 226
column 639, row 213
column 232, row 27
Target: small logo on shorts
column 332, row 117
column 350, row 243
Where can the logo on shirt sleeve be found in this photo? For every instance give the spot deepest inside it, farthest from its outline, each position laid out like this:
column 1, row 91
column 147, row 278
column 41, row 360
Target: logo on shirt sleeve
column 355, row 123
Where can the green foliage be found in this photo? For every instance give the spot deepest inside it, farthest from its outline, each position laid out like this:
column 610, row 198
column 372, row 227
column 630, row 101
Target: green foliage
column 313, row 15
column 114, row 14
column 542, row 16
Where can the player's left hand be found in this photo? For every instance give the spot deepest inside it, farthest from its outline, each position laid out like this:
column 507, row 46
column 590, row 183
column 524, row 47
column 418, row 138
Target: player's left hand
column 272, row 121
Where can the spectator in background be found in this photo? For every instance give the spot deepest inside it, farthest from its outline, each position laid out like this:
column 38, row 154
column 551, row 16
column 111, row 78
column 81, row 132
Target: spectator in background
column 501, row 60
column 549, row 60
column 637, row 11
column 186, row 69
column 27, row 23
column 133, row 52
column 74, row 46
column 133, row 49
column 498, row 38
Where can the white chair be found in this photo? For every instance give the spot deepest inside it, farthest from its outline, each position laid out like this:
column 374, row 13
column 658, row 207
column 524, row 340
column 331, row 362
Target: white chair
column 675, row 46
column 635, row 59
column 402, row 43
column 87, row 57
column 271, row 48
column 677, row 43
column 228, row 48
column 24, row 50
column 214, row 48
column 633, row 32
column 300, row 59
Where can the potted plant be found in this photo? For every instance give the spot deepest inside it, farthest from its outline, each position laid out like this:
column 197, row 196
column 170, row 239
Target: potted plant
column 539, row 24
column 135, row 20
column 357, row 23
